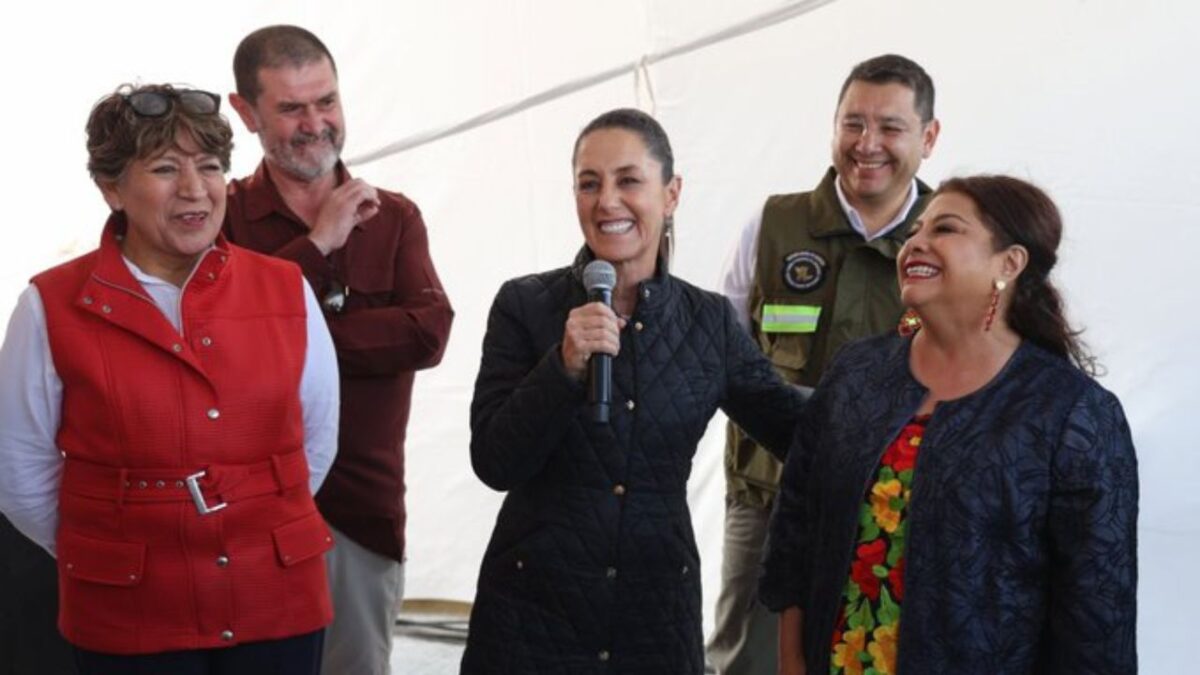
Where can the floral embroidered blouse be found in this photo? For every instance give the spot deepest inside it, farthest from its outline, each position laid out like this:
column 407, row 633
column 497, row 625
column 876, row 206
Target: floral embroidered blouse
column 867, row 628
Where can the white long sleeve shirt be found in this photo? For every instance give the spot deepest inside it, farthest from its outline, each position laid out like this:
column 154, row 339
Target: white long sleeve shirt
column 31, row 463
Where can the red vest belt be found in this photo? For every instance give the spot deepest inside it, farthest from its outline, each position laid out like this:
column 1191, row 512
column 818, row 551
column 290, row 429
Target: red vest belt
column 211, row 487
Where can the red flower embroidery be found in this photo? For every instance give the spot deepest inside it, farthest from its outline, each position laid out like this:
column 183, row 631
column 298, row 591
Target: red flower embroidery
column 902, row 454
column 896, row 580
column 873, row 552
column 863, row 649
column 869, row 555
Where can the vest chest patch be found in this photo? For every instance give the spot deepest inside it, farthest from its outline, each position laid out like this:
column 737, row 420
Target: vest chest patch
column 804, row 270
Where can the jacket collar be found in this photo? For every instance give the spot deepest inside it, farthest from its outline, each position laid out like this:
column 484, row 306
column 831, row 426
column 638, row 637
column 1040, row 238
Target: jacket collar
column 262, row 197
column 653, row 293
column 908, row 393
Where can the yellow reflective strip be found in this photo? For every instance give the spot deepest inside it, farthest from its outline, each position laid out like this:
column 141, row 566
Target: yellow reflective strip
column 794, row 310
column 790, row 318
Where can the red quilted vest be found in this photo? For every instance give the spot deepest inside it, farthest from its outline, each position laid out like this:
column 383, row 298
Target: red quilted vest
column 144, row 408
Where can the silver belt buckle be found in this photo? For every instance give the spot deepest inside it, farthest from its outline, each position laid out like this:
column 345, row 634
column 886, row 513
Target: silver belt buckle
column 198, row 497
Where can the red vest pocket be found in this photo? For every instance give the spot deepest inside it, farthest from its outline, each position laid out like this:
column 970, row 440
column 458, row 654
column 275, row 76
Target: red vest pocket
column 302, row 539
column 113, row 563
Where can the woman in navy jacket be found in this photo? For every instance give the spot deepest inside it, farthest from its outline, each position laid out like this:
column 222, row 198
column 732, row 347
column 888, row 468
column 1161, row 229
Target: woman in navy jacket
column 962, row 499
column 592, row 566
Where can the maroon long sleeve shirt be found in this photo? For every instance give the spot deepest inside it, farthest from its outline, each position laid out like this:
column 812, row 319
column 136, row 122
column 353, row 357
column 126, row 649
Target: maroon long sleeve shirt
column 395, row 321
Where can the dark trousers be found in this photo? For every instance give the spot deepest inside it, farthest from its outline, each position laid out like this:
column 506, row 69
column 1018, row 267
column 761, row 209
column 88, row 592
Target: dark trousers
column 30, row 643
column 300, row 655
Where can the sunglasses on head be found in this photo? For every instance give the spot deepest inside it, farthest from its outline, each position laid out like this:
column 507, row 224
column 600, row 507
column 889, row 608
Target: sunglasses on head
column 159, row 103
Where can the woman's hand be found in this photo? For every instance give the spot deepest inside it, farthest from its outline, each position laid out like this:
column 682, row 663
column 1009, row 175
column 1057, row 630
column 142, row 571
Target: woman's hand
column 591, row 329
column 791, row 646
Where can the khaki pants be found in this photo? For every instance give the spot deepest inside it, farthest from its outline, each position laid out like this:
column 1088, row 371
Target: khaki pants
column 745, row 640
column 367, row 589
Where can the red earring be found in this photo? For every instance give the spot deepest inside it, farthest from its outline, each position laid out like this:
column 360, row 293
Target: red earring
column 909, row 323
column 997, row 286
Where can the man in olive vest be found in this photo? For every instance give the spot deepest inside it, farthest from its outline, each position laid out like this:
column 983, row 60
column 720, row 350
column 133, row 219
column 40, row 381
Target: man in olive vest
column 812, row 271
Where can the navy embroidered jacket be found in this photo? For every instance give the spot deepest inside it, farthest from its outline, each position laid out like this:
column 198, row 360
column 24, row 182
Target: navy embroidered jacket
column 1021, row 552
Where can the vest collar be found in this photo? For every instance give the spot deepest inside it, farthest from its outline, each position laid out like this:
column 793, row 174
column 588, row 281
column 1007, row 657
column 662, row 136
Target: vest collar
column 111, row 269
column 112, row 293
column 829, row 218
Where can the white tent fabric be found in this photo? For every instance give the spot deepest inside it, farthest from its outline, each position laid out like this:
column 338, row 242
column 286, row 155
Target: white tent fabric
column 1092, row 100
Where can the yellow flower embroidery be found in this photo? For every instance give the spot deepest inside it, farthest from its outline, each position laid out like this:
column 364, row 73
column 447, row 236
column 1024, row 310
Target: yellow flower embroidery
column 883, row 649
column 845, row 653
column 886, row 517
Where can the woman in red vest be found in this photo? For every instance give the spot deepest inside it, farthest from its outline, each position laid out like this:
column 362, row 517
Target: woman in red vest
column 168, row 405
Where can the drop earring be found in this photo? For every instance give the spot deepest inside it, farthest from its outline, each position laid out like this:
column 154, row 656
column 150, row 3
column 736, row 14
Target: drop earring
column 909, row 324
column 997, row 286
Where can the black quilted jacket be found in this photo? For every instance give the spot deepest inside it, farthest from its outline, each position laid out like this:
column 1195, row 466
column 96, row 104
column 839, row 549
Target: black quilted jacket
column 1022, row 525
column 592, row 566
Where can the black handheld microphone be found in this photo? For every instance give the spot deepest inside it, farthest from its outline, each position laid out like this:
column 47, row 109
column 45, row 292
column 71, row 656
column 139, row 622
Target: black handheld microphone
column 599, row 278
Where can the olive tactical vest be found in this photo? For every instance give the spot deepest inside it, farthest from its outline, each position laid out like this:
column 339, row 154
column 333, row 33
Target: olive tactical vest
column 817, row 285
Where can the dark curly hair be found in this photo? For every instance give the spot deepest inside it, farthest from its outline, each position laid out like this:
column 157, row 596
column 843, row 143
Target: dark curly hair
column 117, row 135
column 890, row 68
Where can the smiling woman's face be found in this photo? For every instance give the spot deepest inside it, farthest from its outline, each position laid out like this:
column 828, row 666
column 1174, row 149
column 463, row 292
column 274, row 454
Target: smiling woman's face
column 950, row 257
column 622, row 201
column 174, row 202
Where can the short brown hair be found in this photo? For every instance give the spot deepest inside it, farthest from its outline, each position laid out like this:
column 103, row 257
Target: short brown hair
column 890, row 68
column 118, row 135
column 273, row 47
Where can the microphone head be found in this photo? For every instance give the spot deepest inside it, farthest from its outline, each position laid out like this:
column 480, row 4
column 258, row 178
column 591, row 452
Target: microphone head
column 599, row 275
